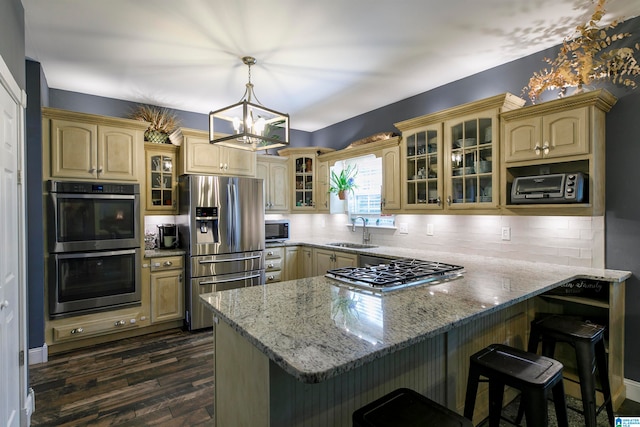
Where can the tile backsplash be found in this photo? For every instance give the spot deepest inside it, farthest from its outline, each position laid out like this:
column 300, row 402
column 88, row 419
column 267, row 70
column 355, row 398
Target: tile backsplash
column 566, row 240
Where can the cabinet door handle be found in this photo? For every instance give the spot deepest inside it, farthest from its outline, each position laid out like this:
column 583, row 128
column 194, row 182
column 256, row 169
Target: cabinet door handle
column 449, row 200
column 545, row 148
column 92, row 170
column 439, row 201
column 537, row 149
column 100, row 169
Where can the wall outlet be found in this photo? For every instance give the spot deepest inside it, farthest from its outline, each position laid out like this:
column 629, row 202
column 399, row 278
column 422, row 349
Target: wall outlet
column 403, row 228
column 429, row 229
column 506, row 233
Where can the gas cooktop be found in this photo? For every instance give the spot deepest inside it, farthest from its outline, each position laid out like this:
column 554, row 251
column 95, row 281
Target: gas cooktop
column 396, row 274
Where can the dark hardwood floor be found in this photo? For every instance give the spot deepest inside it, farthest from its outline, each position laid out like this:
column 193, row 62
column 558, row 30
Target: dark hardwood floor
column 162, row 379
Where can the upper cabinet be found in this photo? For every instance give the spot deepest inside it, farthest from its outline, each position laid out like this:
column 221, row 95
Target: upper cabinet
column 450, row 158
column 303, row 172
column 161, row 183
column 199, row 156
column 86, row 146
column 274, row 170
column 548, row 136
column 566, row 135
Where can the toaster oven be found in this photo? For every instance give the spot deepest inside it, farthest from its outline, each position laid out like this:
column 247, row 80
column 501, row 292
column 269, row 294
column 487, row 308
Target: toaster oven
column 552, row 188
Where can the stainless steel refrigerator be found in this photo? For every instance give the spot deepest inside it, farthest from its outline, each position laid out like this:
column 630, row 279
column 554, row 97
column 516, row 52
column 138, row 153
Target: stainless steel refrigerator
column 221, row 226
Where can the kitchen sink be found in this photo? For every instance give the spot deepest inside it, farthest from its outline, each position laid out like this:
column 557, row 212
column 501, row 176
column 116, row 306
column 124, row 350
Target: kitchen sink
column 352, row 245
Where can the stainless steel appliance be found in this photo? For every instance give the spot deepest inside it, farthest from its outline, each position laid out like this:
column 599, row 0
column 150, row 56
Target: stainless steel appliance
column 552, row 188
column 276, row 230
column 167, row 236
column 221, row 226
column 94, row 247
column 395, row 274
column 90, row 216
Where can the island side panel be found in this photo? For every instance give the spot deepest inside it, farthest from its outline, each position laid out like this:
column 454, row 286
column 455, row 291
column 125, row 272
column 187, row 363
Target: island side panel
column 421, row 367
column 241, row 375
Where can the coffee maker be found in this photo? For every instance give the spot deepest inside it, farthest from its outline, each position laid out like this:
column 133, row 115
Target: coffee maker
column 167, row 236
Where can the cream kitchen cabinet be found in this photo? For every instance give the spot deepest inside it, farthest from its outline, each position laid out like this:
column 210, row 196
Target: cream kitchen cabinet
column 273, row 263
column 167, row 288
column 198, row 156
column 292, row 263
column 274, row 170
column 391, row 192
column 322, row 192
column 327, row 259
column 90, row 147
column 548, row 136
column 161, row 184
column 303, row 172
column 565, row 135
column 450, row 159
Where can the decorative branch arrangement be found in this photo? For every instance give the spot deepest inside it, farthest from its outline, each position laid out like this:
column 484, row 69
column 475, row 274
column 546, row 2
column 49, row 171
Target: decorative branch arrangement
column 162, row 121
column 586, row 58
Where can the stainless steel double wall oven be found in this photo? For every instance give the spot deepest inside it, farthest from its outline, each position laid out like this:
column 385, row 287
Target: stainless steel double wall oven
column 94, row 246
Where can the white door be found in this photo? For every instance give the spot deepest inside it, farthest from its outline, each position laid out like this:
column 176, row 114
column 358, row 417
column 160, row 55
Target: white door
column 10, row 266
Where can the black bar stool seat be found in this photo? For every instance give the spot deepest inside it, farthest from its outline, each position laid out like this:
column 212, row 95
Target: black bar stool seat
column 588, row 341
column 407, row 408
column 535, row 376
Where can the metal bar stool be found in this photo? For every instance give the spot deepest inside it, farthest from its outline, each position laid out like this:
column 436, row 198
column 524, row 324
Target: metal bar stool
column 407, row 408
column 588, row 341
column 535, row 376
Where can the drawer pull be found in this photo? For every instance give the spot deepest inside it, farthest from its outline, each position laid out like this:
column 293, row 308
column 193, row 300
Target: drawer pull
column 167, row 264
column 77, row 331
column 120, row 323
column 270, row 253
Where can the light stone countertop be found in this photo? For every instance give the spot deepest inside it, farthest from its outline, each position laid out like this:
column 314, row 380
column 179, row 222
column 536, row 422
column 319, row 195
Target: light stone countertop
column 316, row 328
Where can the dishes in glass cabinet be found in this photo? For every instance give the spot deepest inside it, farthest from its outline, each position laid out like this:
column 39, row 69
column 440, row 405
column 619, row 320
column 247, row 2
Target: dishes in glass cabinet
column 466, row 142
column 467, row 171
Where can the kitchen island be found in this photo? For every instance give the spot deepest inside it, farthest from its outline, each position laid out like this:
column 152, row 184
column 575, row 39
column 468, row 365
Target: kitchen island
column 311, row 351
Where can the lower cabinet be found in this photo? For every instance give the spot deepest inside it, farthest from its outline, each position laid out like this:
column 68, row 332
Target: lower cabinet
column 327, row 259
column 86, row 327
column 274, row 258
column 167, row 289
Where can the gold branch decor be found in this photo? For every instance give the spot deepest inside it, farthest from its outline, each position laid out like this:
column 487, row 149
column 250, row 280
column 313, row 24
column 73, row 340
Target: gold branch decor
column 586, row 58
column 162, row 122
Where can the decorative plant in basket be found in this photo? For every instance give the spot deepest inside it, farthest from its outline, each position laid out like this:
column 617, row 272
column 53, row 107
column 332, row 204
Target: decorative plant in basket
column 162, row 122
column 586, row 57
column 344, row 181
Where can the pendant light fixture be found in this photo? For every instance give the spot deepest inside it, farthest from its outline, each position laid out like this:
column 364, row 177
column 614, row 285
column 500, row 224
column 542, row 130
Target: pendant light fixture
column 248, row 125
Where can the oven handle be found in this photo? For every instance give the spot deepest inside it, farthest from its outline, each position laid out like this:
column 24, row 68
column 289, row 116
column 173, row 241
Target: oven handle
column 214, row 282
column 215, row 261
column 95, row 254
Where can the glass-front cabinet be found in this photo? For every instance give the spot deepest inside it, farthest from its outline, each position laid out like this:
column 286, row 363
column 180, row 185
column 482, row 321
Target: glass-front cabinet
column 471, row 155
column 423, row 166
column 304, row 167
column 450, row 158
column 161, row 177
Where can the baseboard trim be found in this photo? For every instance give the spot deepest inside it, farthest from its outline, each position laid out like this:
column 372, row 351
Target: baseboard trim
column 38, row 355
column 633, row 390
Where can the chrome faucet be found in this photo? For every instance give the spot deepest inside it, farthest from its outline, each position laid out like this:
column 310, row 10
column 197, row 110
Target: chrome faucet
column 366, row 237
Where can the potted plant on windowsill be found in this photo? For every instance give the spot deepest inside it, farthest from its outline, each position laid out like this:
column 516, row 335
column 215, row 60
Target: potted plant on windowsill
column 343, row 182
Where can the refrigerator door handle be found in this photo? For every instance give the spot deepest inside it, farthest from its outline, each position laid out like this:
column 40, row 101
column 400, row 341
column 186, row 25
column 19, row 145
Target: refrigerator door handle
column 230, row 224
column 215, row 261
column 214, row 282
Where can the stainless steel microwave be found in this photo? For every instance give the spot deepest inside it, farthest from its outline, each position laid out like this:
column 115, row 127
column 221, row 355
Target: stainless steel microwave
column 276, row 230
column 552, row 188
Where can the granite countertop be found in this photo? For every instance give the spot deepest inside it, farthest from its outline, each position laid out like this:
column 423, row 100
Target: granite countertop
column 315, row 329
column 156, row 253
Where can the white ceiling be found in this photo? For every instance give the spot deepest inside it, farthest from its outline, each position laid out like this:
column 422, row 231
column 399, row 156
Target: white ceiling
column 320, row 61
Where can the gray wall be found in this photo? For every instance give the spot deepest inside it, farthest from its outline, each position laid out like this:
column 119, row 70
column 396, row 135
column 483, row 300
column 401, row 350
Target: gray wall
column 623, row 150
column 12, row 38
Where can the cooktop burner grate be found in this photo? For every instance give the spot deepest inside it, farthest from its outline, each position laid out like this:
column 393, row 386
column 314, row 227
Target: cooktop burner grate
column 395, row 274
